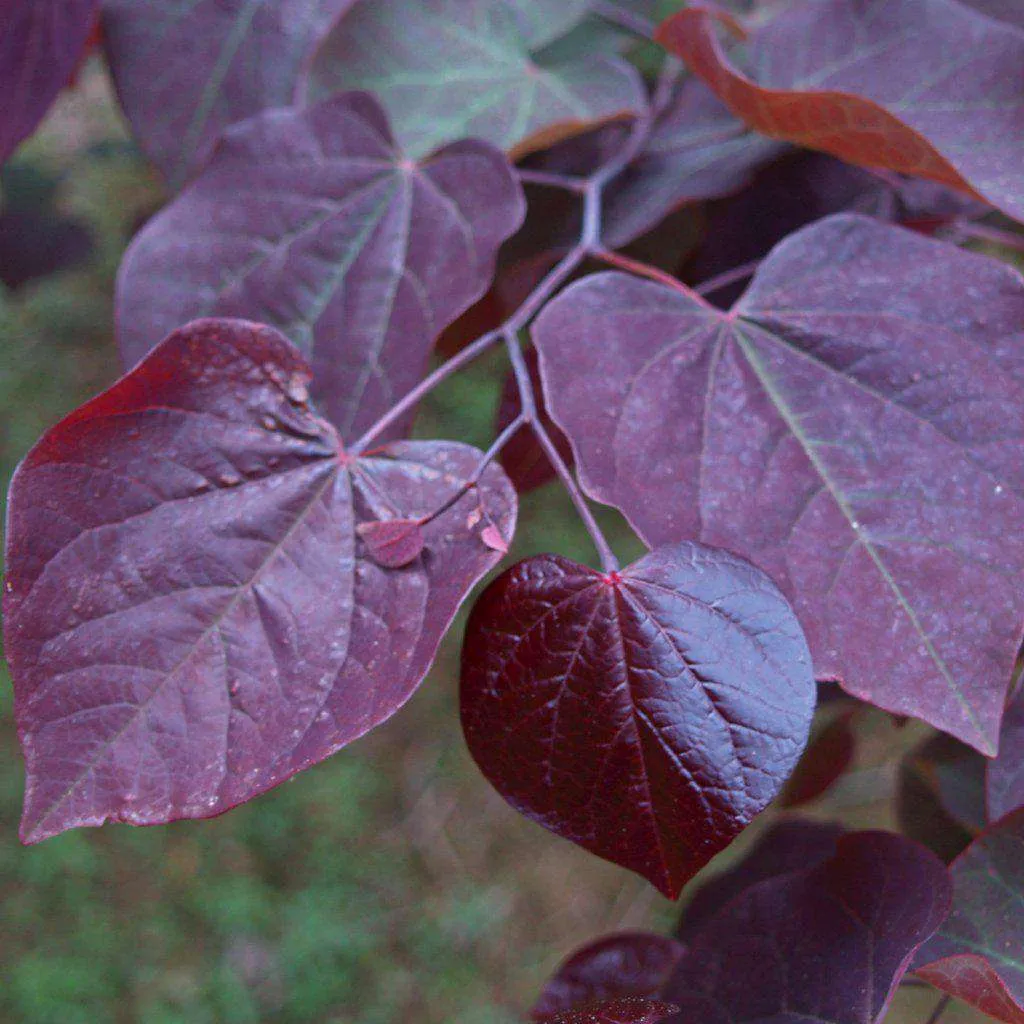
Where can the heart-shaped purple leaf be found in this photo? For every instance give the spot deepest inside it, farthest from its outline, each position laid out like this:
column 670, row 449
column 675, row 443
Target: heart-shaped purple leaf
column 930, row 88
column 186, row 69
column 829, row 943
column 189, row 614
column 978, row 953
column 625, row 965
column 853, row 426
column 41, row 42
column 311, row 221
column 647, row 715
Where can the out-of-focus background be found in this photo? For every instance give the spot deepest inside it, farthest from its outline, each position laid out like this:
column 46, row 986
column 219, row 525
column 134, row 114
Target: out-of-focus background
column 389, row 884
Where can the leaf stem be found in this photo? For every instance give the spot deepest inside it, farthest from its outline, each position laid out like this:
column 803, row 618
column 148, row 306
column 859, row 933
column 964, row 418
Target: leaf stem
column 551, row 179
column 983, row 233
column 940, row 1009
column 528, row 401
column 728, row 277
column 623, row 262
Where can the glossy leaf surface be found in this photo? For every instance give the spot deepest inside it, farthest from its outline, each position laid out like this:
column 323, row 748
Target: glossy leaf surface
column 930, row 88
column 647, row 716
column 186, row 69
column 617, row 1011
column 790, row 844
column 448, row 69
column 829, row 943
column 978, row 953
column 313, row 222
column 625, row 965
column 1004, row 782
column 189, row 614
column 853, row 426
column 41, row 42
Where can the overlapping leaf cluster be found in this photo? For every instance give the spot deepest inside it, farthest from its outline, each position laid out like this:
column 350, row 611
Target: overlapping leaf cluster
column 234, row 562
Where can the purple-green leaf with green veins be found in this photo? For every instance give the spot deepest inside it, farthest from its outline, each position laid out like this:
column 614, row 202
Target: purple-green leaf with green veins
column 189, row 613
column 41, row 42
column 447, row 69
column 978, row 953
column 853, row 426
column 313, row 222
column 186, row 69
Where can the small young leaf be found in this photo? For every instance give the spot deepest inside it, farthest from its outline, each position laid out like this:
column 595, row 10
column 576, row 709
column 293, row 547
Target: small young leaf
column 1004, row 783
column 618, row 1011
column 392, row 543
column 186, row 69
column 791, row 844
column 829, row 943
column 187, row 614
column 448, row 69
column 853, row 426
column 625, row 965
column 646, row 715
column 932, row 88
column 978, row 954
column 311, row 221
column 41, row 42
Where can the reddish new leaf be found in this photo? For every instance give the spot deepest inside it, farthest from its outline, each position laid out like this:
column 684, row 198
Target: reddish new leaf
column 829, row 943
column 312, row 221
column 189, row 615
column 186, row 69
column 628, row 964
column 978, row 953
column 853, row 426
column 41, row 42
column 647, row 715
column 829, row 753
column 393, row 542
column 617, row 1011
column 1004, row 783
column 791, row 844
column 932, row 88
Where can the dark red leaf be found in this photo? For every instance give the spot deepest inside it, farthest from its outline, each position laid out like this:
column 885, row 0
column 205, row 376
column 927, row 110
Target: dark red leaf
column 932, row 88
column 978, row 954
column 41, row 42
column 185, row 72
column 188, row 614
column 646, row 715
column 1004, row 784
column 853, row 426
column 448, row 69
column 804, row 187
column 628, row 964
column 312, row 221
column 523, row 458
column 36, row 243
column 618, row 1011
column 393, row 542
column 828, row 755
column 828, row 943
column 791, row 844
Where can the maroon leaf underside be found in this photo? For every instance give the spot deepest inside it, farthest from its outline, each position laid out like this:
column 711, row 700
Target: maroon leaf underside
column 978, row 953
column 617, row 1011
column 829, row 943
column 624, row 965
column 648, row 715
column 790, row 844
column 829, row 753
column 931, row 89
column 185, row 71
column 311, row 221
column 853, row 426
column 40, row 46
column 1004, row 783
column 189, row 615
